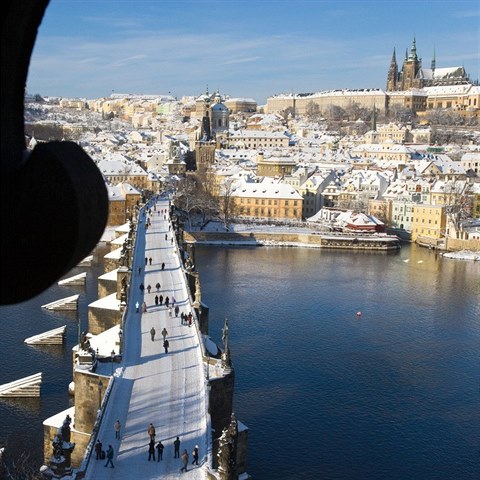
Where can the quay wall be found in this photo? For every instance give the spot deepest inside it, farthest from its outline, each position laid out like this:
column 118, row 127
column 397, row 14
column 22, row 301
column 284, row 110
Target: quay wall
column 354, row 242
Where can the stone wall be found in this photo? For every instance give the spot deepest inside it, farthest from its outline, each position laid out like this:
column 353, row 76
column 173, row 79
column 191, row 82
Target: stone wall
column 87, row 399
column 101, row 319
column 454, row 244
column 106, row 287
column 221, row 405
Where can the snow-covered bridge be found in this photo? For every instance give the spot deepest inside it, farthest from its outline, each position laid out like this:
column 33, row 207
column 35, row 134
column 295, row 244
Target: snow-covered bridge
column 168, row 390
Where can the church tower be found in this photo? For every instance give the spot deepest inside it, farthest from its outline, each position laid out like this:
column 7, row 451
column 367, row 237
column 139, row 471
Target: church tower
column 411, row 66
column 392, row 77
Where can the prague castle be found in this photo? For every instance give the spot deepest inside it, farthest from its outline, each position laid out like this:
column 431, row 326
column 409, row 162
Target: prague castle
column 413, row 87
column 413, row 75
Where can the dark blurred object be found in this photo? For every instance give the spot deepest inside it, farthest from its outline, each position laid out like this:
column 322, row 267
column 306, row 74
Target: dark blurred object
column 54, row 204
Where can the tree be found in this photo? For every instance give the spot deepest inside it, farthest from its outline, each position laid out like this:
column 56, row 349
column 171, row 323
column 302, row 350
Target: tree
column 227, row 205
column 312, row 111
column 457, row 202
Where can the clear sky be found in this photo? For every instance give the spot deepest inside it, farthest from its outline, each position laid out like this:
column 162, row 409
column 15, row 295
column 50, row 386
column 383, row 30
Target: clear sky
column 247, row 48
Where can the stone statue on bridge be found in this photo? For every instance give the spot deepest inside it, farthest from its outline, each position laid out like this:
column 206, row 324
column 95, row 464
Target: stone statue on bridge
column 226, row 359
column 227, row 451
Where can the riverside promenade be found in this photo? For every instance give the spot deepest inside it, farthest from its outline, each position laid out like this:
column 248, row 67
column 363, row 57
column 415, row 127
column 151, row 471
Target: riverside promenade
column 168, row 390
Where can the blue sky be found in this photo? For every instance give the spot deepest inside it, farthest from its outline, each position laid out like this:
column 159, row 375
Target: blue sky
column 255, row 49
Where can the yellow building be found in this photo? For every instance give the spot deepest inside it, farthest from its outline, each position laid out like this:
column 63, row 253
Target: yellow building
column 267, row 200
column 429, row 224
column 274, row 166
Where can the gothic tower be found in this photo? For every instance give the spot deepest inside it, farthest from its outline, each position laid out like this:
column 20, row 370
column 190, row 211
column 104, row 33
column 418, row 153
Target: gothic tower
column 392, row 77
column 411, row 66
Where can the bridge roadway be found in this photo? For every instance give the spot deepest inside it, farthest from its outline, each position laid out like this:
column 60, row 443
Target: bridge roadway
column 166, row 389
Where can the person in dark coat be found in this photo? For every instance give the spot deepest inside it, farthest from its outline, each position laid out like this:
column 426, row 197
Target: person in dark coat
column 167, row 301
column 157, row 286
column 151, row 450
column 142, row 287
column 160, row 299
column 146, row 260
column 109, row 457
column 160, row 448
column 98, row 449
column 150, row 260
column 156, row 299
column 177, row 309
column 163, row 266
column 195, row 455
column 176, row 446
column 152, row 333
column 166, row 345
column 149, row 288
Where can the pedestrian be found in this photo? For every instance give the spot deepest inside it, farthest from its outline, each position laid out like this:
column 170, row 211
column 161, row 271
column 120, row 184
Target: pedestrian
column 173, row 301
column 146, row 260
column 109, row 457
column 184, row 461
column 137, row 306
column 169, row 227
column 177, row 309
column 151, row 432
column 152, row 334
column 142, row 287
column 144, row 307
column 176, row 445
column 156, row 299
column 157, row 286
column 166, row 237
column 160, row 299
column 151, row 450
column 149, row 288
column 195, row 455
column 166, row 345
column 98, row 449
column 163, row 266
column 150, row 260
column 139, row 270
column 171, row 241
column 190, row 318
column 117, row 426
column 164, row 333
column 160, row 448
column 167, row 301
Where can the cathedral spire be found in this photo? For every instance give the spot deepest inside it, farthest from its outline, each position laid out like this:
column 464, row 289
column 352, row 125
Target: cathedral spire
column 413, row 50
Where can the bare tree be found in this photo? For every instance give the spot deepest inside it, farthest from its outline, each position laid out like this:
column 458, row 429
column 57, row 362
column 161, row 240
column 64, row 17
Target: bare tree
column 457, row 201
column 312, row 111
column 227, row 205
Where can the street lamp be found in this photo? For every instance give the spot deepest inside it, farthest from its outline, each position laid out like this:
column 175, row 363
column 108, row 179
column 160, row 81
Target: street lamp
column 100, row 386
column 112, row 355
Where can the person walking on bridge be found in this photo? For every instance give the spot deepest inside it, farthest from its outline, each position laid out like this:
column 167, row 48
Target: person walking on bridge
column 152, row 333
column 176, row 446
column 151, row 450
column 160, row 448
column 195, row 455
column 117, row 426
column 157, row 286
column 151, row 432
column 164, row 333
column 144, row 307
column 167, row 301
column 109, row 457
column 184, row 461
column 166, row 345
column 163, row 266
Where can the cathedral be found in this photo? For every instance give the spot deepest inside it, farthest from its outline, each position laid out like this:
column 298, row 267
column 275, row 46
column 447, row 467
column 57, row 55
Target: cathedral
column 413, row 75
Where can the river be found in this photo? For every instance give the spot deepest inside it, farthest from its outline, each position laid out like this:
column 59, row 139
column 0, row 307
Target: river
column 326, row 393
